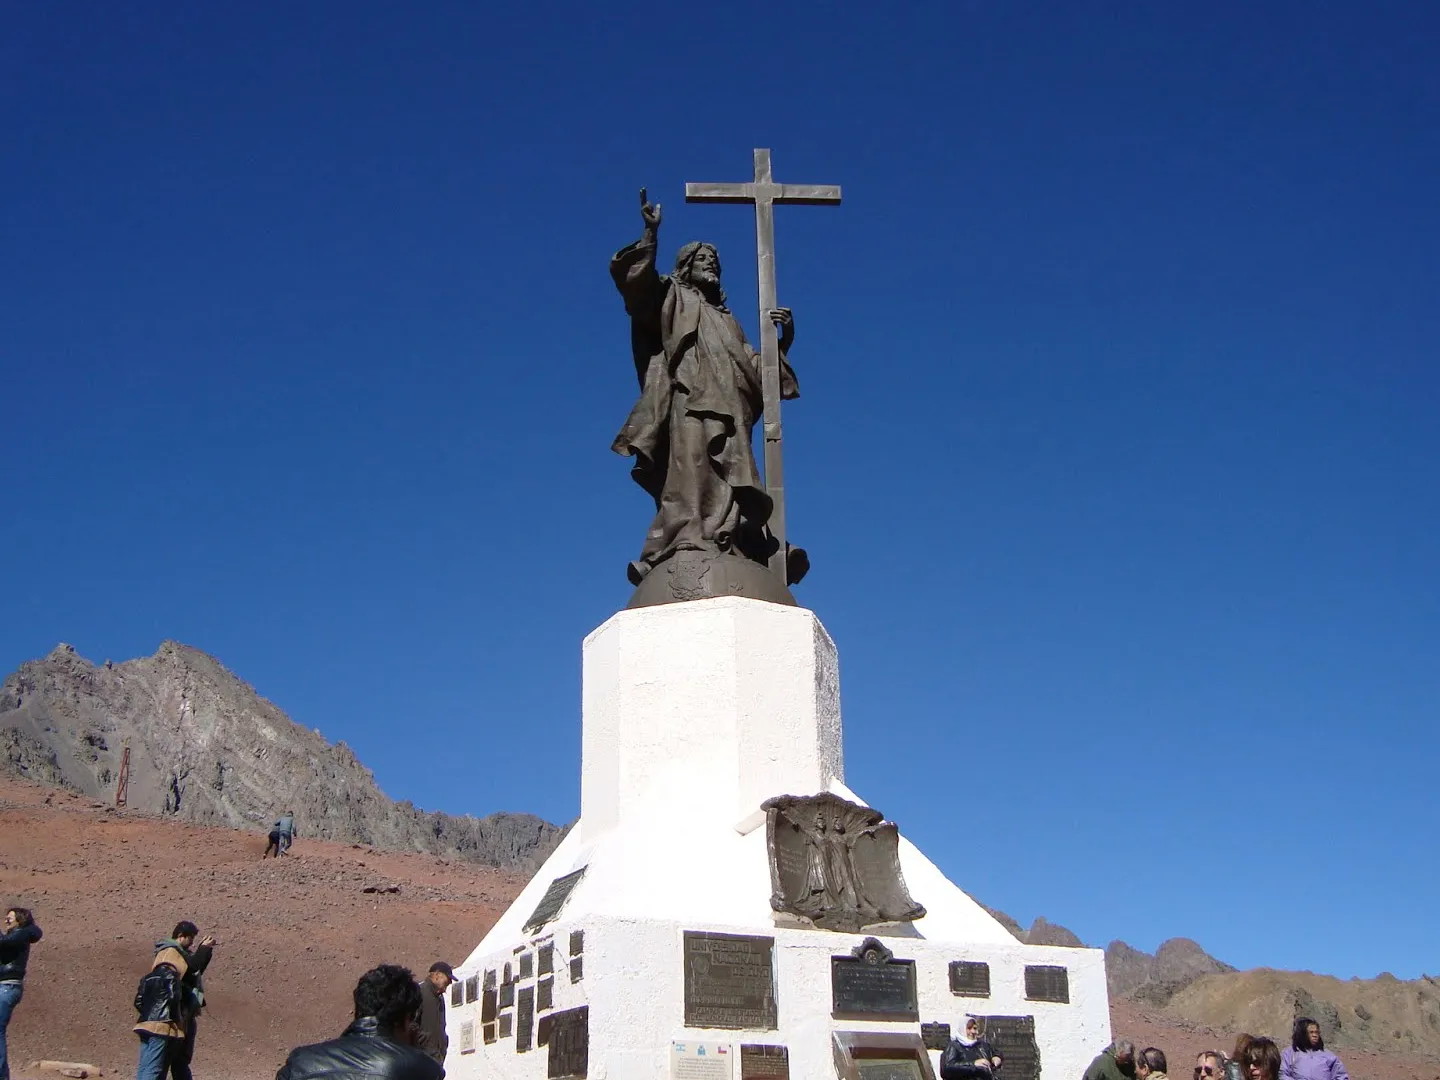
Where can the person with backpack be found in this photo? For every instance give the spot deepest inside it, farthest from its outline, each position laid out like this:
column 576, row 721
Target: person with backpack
column 20, row 932
column 168, row 1000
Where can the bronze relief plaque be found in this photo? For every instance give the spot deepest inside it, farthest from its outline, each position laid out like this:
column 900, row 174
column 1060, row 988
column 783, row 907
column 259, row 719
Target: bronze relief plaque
column 488, row 1006
column 835, row 862
column 729, row 981
column 870, row 982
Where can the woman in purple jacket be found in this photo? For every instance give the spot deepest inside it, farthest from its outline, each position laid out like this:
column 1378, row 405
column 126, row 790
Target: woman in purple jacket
column 1307, row 1058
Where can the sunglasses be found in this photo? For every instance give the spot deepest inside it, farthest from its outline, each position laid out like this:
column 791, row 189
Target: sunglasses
column 1206, row 1070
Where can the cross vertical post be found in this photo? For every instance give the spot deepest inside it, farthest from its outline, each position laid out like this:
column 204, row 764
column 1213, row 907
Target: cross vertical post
column 765, row 193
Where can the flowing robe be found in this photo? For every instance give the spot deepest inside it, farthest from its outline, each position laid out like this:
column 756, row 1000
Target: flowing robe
column 690, row 431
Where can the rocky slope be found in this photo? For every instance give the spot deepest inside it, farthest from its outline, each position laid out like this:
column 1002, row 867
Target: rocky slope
column 206, row 748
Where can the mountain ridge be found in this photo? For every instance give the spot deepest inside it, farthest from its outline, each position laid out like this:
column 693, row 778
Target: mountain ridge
column 206, row 747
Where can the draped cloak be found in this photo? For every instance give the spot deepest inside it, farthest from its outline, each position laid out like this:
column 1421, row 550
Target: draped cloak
column 689, row 433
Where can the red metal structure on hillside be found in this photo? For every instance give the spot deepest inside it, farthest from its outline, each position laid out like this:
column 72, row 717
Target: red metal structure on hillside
column 122, row 786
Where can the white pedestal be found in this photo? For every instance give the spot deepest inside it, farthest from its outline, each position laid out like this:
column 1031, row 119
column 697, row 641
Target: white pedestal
column 694, row 714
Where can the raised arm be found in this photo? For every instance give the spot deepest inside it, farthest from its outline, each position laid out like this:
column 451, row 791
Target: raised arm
column 633, row 267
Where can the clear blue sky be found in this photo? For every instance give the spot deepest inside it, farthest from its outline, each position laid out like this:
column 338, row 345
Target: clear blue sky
column 1116, row 457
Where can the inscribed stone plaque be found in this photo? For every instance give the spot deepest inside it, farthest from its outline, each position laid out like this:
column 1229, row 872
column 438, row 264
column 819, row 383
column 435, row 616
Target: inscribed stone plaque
column 577, row 942
column 577, row 969
column 1047, row 982
column 457, row 994
column 507, row 995
column 764, row 1062
column 527, row 965
column 489, row 1033
column 569, row 1044
column 729, row 981
column 969, row 978
column 467, row 1037
column 488, row 1005
column 889, row 1069
column 472, row 988
column 1014, row 1040
column 553, row 900
column 545, row 994
column 935, row 1036
column 700, row 1061
column 507, row 1022
column 525, row 1020
column 546, row 962
column 871, row 982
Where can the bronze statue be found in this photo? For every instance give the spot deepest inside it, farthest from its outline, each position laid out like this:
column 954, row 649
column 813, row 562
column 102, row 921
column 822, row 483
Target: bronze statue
column 717, row 524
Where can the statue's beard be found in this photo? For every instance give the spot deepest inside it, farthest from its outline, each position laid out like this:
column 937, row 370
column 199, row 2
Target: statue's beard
column 708, row 283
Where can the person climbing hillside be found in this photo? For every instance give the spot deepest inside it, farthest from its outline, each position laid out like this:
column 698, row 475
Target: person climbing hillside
column 282, row 835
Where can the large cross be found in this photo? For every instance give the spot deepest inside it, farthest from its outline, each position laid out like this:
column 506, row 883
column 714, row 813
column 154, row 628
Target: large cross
column 764, row 192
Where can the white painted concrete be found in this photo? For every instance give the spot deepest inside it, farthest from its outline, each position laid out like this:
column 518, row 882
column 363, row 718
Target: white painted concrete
column 693, row 715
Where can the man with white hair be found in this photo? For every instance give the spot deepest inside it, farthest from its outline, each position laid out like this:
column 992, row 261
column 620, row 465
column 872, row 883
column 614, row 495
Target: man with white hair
column 1115, row 1062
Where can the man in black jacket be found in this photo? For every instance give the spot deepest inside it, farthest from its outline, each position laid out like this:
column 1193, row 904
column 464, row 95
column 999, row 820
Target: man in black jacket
column 20, row 932
column 433, row 1038
column 379, row 1043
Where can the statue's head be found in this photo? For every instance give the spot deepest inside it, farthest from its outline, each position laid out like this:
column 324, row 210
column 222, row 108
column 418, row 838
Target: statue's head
column 698, row 264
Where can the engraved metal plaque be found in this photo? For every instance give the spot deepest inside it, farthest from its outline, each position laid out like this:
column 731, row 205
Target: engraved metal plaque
column 507, row 995
column 729, row 981
column 525, row 1020
column 507, row 1025
column 553, row 900
column 545, row 962
column 1047, row 982
column 545, row 994
column 488, row 1005
column 871, row 982
column 935, row 1036
column 527, row 965
column 764, row 1062
column 542, row 1029
column 457, row 994
column 569, row 1044
column 1013, row 1038
column 472, row 988
column 489, row 1033
column 577, row 942
column 577, row 969
column 969, row 978
column 489, row 983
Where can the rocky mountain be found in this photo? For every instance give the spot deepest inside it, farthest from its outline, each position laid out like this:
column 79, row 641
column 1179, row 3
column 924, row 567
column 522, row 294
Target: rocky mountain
column 205, row 747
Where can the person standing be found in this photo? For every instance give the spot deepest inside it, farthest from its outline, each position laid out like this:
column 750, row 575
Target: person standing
column 20, row 933
column 1115, row 1062
column 433, row 1038
column 169, row 999
column 1151, row 1064
column 1261, row 1060
column 969, row 1056
column 1307, row 1058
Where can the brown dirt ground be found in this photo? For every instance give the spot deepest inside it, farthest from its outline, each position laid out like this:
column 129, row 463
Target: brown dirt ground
column 294, row 935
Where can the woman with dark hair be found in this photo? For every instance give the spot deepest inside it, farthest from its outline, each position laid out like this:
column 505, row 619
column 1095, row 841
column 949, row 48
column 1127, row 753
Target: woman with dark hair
column 1234, row 1066
column 20, row 932
column 1307, row 1058
column 1261, row 1060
